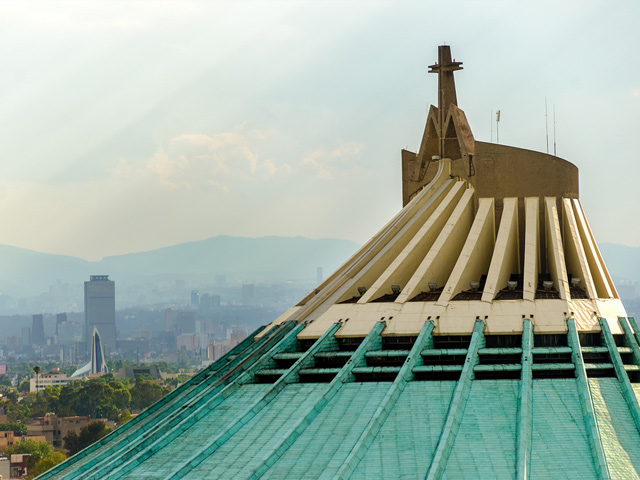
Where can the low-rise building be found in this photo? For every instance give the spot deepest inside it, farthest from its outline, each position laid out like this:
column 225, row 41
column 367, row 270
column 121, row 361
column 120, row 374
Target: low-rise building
column 6, row 439
column 130, row 371
column 19, row 465
column 44, row 380
column 55, row 428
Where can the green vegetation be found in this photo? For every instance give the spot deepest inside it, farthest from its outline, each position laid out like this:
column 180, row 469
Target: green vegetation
column 124, row 417
column 146, row 392
column 46, row 463
column 37, row 450
column 92, row 432
column 104, row 397
column 18, row 429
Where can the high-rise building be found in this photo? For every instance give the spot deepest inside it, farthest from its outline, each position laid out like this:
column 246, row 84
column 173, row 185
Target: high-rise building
column 478, row 335
column 37, row 329
column 26, row 336
column 100, row 310
column 168, row 320
column 186, row 322
column 248, row 294
column 195, row 299
column 215, row 301
column 205, row 304
column 60, row 318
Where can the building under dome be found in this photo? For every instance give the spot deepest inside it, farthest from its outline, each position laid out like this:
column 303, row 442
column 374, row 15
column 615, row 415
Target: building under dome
column 477, row 335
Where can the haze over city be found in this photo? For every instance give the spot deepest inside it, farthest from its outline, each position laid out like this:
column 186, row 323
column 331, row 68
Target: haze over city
column 129, row 126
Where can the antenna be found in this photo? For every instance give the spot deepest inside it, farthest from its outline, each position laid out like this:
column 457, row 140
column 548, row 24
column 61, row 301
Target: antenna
column 491, row 123
column 554, row 130
column 546, row 122
column 498, row 126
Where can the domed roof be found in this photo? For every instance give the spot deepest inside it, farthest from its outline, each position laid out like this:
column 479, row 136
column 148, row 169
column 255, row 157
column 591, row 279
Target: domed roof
column 477, row 335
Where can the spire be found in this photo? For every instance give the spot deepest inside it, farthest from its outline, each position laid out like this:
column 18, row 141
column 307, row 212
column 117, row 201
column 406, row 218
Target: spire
column 446, row 84
column 445, row 67
column 447, row 133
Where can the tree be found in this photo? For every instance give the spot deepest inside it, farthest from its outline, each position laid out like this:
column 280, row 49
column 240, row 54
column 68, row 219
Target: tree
column 11, row 394
column 17, row 412
column 36, row 450
column 24, row 386
column 46, row 463
column 121, row 395
column 36, row 369
column 146, row 392
column 71, row 442
column 37, row 404
column 90, row 433
column 18, row 429
column 124, row 417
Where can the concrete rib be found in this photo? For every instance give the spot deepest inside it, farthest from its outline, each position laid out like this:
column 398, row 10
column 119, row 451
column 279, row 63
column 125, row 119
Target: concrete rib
column 623, row 378
column 458, row 402
column 370, row 342
column 588, row 413
column 525, row 411
column 387, row 404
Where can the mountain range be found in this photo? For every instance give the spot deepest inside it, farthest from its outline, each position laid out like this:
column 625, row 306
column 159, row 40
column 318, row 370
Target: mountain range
column 239, row 259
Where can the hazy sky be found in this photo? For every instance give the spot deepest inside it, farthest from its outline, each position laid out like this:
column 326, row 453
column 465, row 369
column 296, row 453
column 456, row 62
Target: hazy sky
column 127, row 126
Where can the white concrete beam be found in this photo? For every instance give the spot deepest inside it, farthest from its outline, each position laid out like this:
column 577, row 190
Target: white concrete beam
column 506, row 254
column 531, row 248
column 555, row 252
column 474, row 258
column 439, row 262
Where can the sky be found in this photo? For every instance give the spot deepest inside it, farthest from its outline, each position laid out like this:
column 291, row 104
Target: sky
column 127, row 126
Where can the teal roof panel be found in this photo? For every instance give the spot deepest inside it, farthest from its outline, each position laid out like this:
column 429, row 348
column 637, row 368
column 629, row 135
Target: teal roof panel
column 559, row 448
column 325, row 444
column 485, row 446
column 405, row 444
column 237, row 458
column 618, row 432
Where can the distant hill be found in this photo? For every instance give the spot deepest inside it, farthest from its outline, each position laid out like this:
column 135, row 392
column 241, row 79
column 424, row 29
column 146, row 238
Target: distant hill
column 274, row 258
column 623, row 262
column 26, row 272
column 270, row 259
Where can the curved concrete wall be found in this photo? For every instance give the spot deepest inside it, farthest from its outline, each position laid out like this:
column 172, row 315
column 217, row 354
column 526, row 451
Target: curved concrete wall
column 504, row 171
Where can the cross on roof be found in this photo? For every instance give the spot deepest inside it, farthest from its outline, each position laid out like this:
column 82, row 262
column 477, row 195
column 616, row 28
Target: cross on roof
column 446, row 85
column 445, row 67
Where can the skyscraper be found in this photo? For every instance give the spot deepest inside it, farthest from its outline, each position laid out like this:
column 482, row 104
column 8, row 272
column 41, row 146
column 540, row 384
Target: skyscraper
column 248, row 294
column 60, row 318
column 100, row 310
column 37, row 329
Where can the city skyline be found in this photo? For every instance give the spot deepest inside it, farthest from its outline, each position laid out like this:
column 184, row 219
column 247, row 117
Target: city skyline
column 129, row 128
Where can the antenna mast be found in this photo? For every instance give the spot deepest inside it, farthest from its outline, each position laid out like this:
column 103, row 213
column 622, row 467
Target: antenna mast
column 491, row 123
column 546, row 122
column 554, row 130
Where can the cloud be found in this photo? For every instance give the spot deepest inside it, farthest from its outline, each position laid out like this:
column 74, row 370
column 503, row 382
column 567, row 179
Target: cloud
column 200, row 161
column 323, row 162
column 95, row 16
